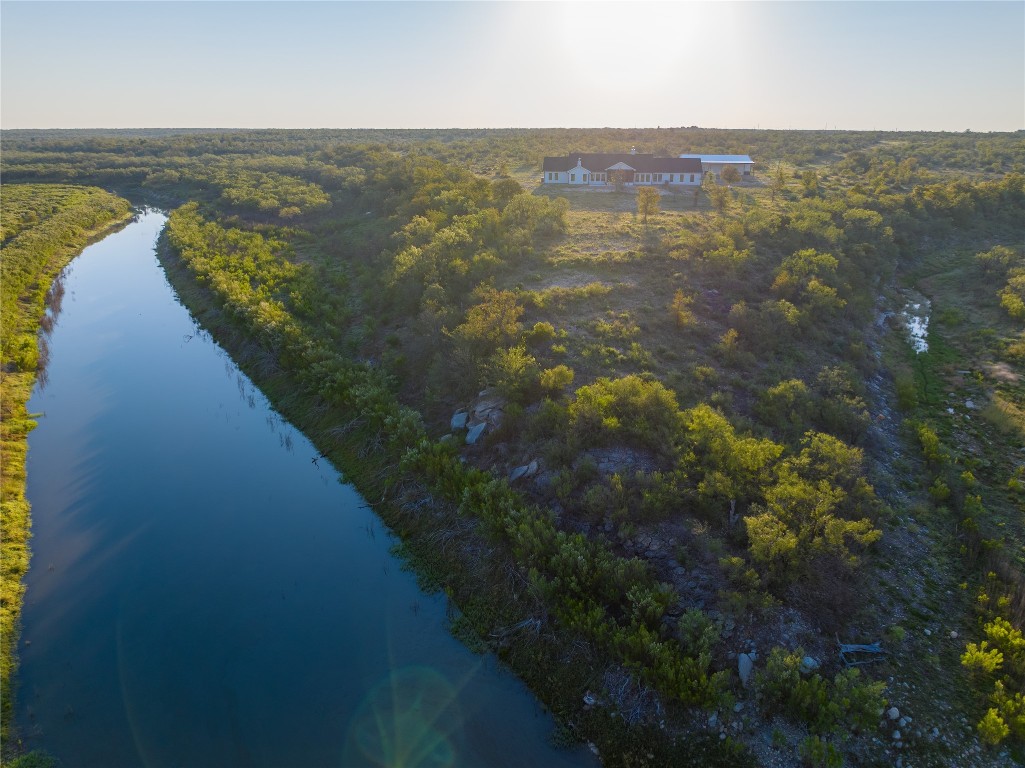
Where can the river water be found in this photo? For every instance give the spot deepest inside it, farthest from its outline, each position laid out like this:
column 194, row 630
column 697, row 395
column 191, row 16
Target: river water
column 203, row 593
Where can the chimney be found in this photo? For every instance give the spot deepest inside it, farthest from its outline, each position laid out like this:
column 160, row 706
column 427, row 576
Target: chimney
column 633, row 150
column 578, row 162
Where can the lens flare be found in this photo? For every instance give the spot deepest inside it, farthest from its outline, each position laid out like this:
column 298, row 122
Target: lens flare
column 405, row 722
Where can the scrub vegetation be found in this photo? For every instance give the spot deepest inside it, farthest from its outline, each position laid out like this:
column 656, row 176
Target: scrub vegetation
column 707, row 438
column 42, row 227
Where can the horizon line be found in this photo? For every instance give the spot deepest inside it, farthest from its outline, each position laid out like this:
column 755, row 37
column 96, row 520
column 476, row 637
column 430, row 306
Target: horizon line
column 510, row 128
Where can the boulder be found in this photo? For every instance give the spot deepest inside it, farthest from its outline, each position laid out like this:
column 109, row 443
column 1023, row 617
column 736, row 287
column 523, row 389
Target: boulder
column 893, row 713
column 745, row 666
column 458, row 420
column 485, row 407
column 517, row 473
column 809, row 665
column 474, row 433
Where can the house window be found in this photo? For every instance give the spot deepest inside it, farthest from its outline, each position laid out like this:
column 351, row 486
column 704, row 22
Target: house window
column 572, row 177
column 692, row 178
column 585, row 178
column 658, row 177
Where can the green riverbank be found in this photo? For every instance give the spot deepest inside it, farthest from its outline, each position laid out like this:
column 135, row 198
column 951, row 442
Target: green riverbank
column 450, row 547
column 43, row 227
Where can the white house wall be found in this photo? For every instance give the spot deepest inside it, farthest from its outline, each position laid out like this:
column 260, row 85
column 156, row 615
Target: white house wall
column 686, row 179
column 717, row 168
column 563, row 177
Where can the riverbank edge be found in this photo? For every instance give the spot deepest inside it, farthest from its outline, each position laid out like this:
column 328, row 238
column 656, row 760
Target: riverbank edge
column 449, row 552
column 15, row 390
column 371, row 477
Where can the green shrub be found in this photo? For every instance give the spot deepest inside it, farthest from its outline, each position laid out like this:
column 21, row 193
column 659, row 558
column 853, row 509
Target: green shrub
column 932, row 450
column 939, row 491
column 787, row 407
column 541, row 333
column 816, row 752
column 555, row 380
column 1010, row 641
column 515, row 373
column 698, row 633
column 629, row 409
column 992, row 728
column 907, row 390
column 823, row 705
column 1011, row 707
column 35, row 759
column 896, row 633
column 682, row 309
column 740, row 574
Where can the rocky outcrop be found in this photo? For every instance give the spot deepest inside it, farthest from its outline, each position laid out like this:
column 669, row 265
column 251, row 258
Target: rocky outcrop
column 527, row 470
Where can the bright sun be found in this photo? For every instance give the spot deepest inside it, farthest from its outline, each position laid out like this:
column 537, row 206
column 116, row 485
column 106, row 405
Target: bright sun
column 639, row 44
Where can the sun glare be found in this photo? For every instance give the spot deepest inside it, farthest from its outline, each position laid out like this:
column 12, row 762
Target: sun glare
column 638, row 45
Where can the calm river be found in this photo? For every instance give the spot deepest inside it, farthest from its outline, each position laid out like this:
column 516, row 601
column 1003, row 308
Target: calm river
column 203, row 593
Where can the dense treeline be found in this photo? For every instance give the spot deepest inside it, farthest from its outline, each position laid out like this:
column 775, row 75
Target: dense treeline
column 693, row 383
column 41, row 229
column 61, row 155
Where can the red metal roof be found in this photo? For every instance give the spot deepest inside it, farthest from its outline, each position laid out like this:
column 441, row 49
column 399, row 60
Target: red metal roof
column 597, row 162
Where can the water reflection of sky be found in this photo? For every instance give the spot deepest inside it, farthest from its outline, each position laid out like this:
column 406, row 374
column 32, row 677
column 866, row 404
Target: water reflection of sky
column 916, row 320
column 202, row 592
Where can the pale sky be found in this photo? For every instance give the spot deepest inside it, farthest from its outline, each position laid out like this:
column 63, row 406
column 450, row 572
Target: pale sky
column 855, row 65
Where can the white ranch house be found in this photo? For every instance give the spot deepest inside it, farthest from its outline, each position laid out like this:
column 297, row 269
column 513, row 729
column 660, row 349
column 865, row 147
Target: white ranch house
column 594, row 169
column 716, row 163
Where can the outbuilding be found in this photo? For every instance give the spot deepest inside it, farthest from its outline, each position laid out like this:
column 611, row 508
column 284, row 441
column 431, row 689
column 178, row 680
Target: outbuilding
column 715, row 164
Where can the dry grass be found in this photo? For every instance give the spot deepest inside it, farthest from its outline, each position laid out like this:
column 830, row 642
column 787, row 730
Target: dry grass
column 1005, row 416
column 1002, row 372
